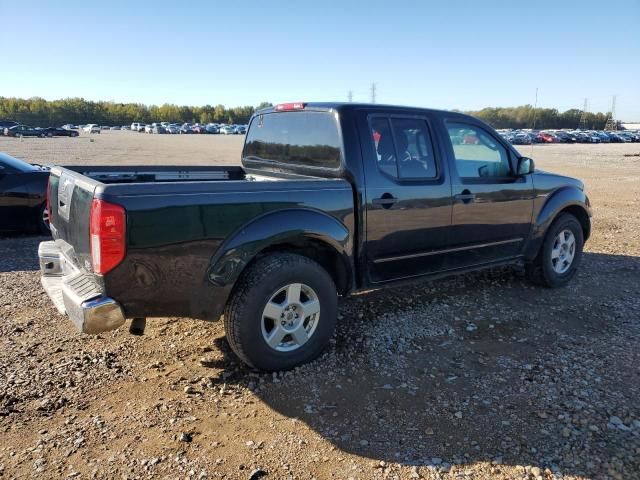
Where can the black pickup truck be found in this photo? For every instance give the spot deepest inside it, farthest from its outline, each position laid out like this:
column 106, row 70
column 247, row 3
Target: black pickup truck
column 330, row 199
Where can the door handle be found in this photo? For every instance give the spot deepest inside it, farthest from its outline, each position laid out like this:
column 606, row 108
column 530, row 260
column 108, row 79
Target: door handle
column 385, row 200
column 466, row 196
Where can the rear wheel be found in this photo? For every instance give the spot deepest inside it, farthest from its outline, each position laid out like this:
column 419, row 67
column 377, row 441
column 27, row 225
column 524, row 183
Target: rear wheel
column 282, row 312
column 560, row 255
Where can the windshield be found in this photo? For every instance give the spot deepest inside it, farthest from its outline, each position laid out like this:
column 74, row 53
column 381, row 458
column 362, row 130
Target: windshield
column 15, row 164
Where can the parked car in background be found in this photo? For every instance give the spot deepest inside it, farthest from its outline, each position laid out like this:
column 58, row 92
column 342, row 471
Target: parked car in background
column 212, row 129
column 544, row 137
column 91, row 128
column 6, row 125
column 157, row 128
column 186, row 129
column 24, row 131
column 23, row 193
column 227, row 130
column 59, row 132
column 136, row 126
column 173, row 128
column 240, row 130
column 125, row 127
column 148, row 128
column 70, row 126
column 115, row 128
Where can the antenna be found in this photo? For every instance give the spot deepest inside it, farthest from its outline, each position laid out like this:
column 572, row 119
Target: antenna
column 611, row 120
column 583, row 116
column 350, row 96
column 373, row 93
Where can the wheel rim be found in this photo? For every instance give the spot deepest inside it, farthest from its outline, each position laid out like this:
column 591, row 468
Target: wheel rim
column 290, row 317
column 563, row 251
column 45, row 217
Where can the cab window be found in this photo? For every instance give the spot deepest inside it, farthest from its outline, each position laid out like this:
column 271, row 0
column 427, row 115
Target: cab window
column 403, row 147
column 477, row 154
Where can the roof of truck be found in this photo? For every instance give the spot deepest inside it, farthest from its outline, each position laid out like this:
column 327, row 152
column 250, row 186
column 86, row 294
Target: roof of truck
column 340, row 106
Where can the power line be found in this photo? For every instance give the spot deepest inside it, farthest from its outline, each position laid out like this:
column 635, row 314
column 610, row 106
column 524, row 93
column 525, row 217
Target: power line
column 583, row 116
column 611, row 120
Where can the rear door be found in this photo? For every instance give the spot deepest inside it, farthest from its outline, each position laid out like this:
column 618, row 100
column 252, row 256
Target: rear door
column 408, row 196
column 492, row 207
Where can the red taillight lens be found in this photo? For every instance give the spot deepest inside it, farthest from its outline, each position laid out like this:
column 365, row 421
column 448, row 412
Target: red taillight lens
column 289, row 106
column 108, row 235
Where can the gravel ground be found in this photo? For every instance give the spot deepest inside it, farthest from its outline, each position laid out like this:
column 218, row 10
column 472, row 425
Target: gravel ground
column 482, row 376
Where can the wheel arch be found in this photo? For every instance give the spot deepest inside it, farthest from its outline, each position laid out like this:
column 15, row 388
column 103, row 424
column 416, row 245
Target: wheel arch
column 307, row 232
column 566, row 200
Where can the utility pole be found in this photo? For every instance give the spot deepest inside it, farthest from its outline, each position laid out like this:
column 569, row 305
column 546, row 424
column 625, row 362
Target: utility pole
column 373, row 93
column 611, row 121
column 350, row 96
column 583, row 116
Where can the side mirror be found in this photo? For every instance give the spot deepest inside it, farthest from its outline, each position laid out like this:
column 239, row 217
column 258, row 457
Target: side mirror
column 525, row 166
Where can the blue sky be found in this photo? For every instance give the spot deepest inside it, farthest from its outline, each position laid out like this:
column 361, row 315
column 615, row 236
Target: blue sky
column 462, row 54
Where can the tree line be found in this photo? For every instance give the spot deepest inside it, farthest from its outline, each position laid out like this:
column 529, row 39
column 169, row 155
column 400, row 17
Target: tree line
column 39, row 112
column 526, row 116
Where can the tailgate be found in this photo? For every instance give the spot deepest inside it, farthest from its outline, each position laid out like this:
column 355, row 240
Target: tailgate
column 70, row 196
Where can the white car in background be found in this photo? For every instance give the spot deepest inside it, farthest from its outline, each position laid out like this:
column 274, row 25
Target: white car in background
column 91, row 128
column 227, row 130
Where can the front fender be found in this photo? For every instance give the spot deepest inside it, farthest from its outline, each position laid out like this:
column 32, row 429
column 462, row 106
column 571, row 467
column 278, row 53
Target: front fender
column 283, row 226
column 554, row 203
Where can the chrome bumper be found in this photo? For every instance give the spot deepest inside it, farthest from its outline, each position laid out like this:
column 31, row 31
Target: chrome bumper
column 75, row 293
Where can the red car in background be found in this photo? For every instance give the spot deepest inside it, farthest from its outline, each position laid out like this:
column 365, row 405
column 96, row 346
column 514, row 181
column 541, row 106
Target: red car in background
column 543, row 137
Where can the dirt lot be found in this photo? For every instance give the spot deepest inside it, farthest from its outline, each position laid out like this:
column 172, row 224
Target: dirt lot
column 477, row 377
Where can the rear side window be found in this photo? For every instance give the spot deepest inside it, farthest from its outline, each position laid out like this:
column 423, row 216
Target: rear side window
column 404, row 148
column 307, row 139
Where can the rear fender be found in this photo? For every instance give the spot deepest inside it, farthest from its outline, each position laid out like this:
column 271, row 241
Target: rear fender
column 281, row 227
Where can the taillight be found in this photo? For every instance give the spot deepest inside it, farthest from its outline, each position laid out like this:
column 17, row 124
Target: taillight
column 108, row 235
column 281, row 107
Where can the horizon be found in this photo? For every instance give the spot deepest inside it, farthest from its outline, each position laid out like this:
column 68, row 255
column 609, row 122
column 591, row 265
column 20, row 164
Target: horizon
column 437, row 57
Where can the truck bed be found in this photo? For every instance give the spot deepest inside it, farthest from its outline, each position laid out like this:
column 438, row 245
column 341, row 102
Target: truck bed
column 144, row 174
column 176, row 221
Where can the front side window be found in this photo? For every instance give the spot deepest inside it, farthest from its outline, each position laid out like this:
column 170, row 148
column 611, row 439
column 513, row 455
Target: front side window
column 477, row 154
column 404, row 148
column 306, row 139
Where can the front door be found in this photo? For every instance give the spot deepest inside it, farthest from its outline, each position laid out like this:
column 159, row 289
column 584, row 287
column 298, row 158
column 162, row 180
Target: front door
column 408, row 197
column 492, row 206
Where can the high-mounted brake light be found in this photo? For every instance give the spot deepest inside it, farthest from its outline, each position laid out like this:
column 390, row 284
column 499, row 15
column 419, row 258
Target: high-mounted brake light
column 108, row 235
column 281, row 107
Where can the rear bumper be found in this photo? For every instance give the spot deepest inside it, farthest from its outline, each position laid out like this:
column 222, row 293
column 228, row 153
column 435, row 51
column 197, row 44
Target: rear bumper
column 75, row 293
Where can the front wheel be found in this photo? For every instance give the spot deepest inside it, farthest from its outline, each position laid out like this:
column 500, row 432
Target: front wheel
column 282, row 312
column 560, row 254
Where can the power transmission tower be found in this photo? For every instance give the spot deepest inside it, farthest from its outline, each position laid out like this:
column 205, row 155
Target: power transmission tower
column 611, row 121
column 583, row 116
column 350, row 96
column 373, row 93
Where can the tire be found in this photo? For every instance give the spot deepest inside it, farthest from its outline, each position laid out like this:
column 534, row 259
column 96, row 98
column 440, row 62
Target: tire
column 547, row 272
column 262, row 284
column 43, row 220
